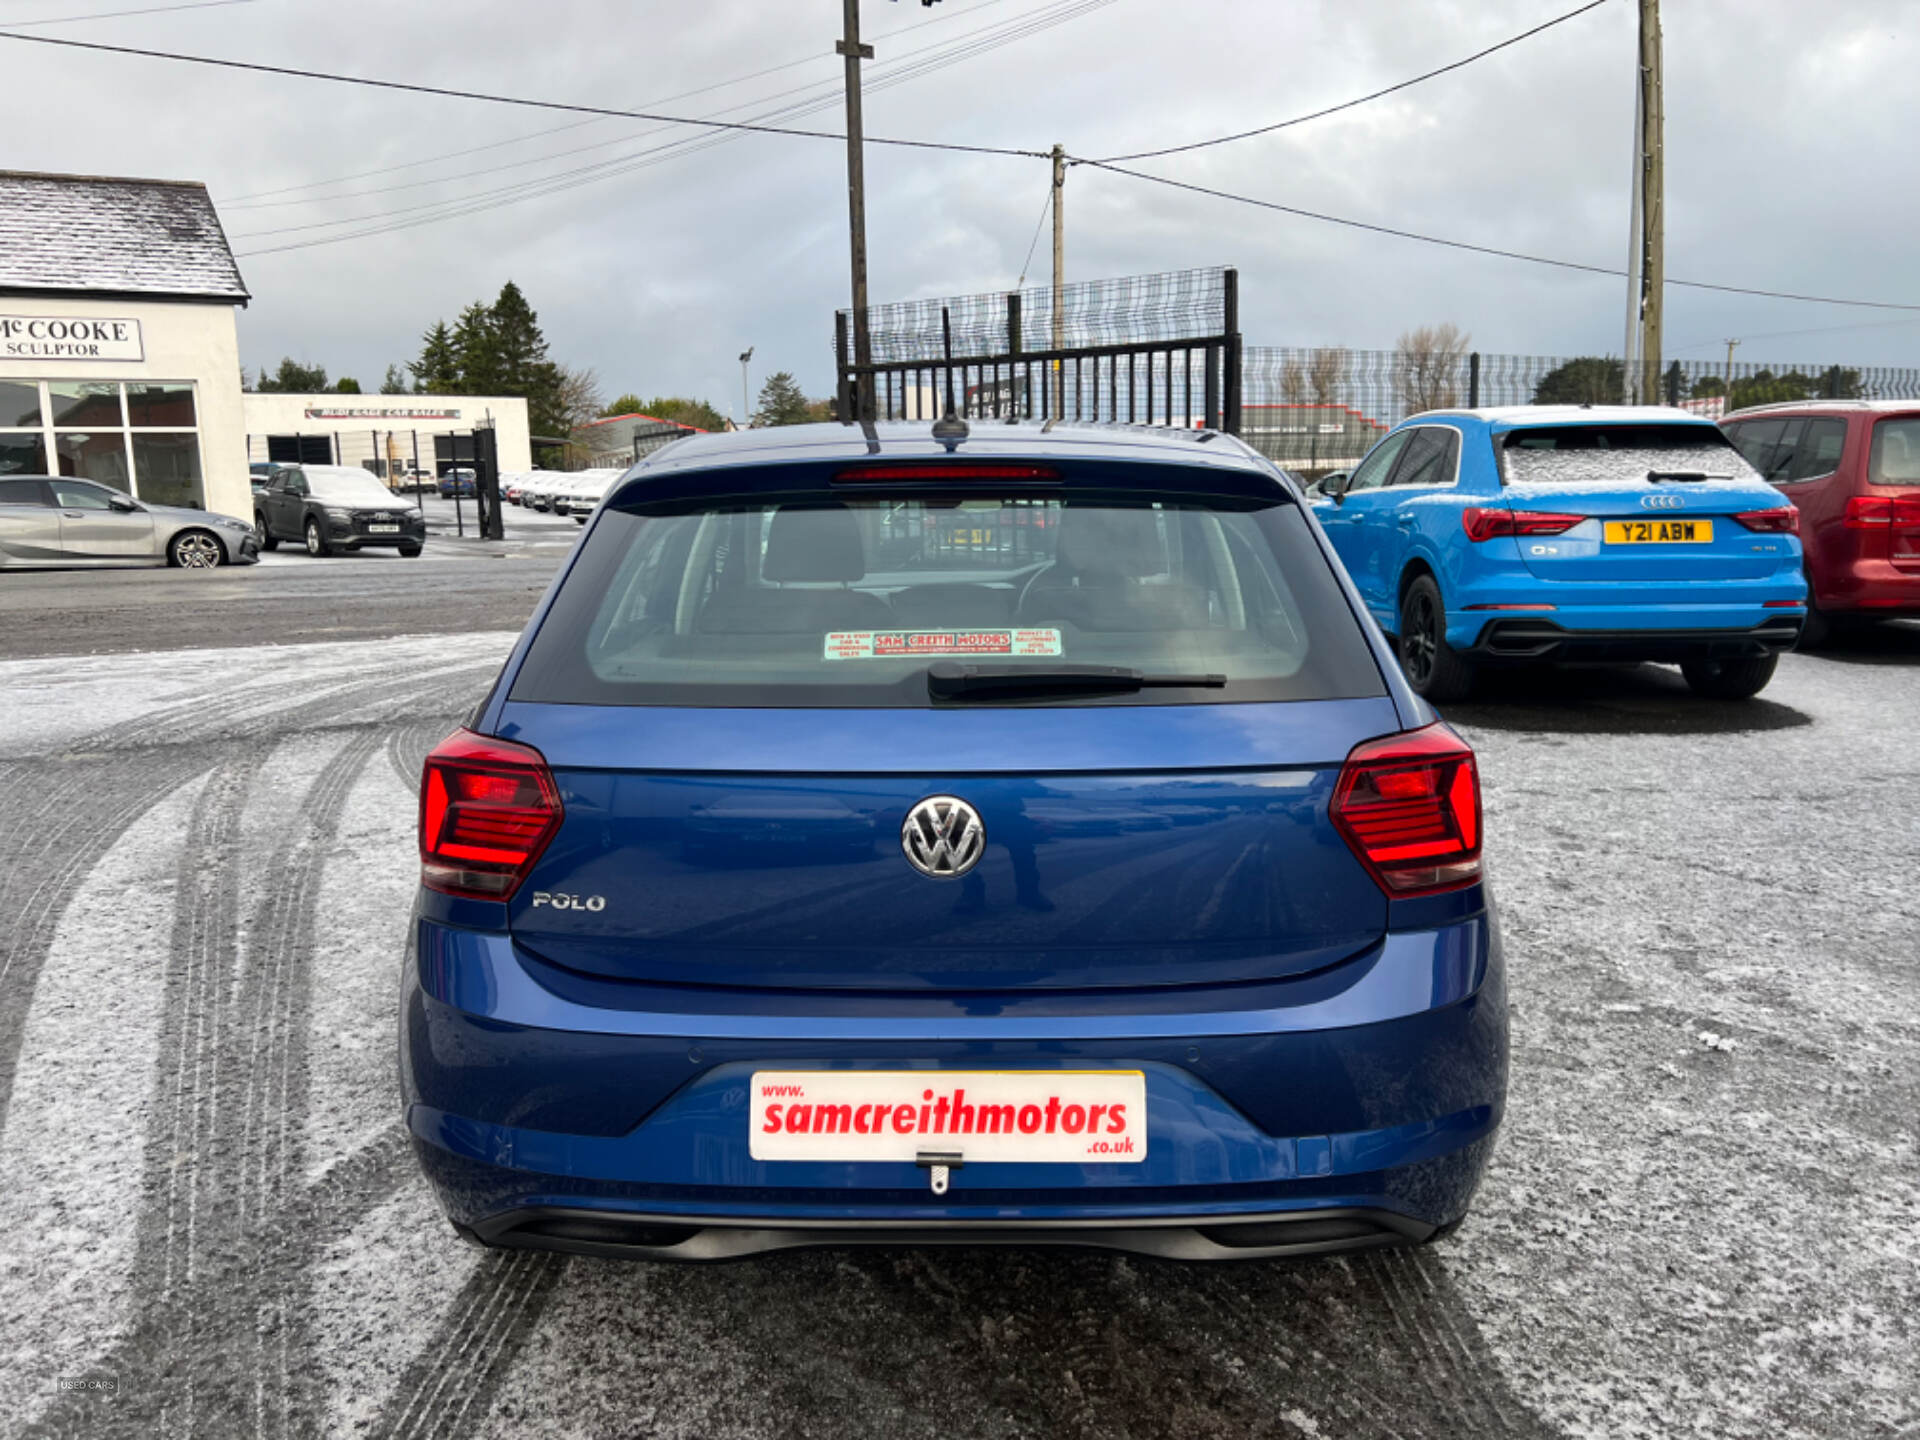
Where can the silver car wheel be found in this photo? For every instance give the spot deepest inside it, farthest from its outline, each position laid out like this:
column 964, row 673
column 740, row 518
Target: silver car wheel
column 316, row 545
column 196, row 550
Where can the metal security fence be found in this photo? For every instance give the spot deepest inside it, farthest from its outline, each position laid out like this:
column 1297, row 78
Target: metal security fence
column 1144, row 349
column 1316, row 409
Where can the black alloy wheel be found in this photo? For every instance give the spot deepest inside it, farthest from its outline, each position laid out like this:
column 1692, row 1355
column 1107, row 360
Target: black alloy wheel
column 1433, row 667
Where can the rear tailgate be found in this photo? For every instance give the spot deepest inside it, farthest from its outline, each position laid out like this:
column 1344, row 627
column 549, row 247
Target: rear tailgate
column 747, row 870
column 1143, row 679
column 1645, row 502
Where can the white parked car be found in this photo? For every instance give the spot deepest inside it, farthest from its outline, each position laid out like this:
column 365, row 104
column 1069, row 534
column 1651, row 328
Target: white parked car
column 583, row 491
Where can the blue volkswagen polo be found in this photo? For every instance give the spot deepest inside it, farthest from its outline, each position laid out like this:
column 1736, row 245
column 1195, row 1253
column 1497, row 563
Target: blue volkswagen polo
column 1570, row 533
column 1009, row 837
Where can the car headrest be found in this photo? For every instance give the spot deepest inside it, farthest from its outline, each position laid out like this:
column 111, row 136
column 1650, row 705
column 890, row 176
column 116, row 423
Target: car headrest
column 1115, row 544
column 814, row 543
column 1899, row 462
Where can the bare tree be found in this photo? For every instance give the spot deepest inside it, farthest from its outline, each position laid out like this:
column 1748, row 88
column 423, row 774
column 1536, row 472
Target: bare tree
column 1325, row 372
column 1293, row 382
column 578, row 394
column 1427, row 366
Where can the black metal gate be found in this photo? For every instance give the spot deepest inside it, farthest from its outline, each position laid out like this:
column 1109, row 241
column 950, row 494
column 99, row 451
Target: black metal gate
column 1146, row 350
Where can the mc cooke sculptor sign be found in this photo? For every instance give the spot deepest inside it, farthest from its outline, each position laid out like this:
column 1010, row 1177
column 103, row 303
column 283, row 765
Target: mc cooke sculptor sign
column 61, row 337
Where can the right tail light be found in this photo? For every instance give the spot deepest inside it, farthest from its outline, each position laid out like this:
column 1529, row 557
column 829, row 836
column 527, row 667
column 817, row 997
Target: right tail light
column 487, row 809
column 1409, row 806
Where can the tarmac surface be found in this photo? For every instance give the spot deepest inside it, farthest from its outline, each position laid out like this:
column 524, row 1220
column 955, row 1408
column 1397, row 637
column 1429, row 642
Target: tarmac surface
column 1702, row 1219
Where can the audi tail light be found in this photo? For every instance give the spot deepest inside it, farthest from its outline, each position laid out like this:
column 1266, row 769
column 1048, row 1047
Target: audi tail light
column 487, row 809
column 1782, row 521
column 1487, row 523
column 1409, row 806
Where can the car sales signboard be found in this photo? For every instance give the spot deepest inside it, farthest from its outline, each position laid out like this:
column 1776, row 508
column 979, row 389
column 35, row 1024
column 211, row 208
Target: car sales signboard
column 69, row 337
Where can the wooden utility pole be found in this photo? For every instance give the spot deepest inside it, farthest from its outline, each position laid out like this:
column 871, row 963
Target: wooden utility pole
column 1059, row 277
column 855, row 52
column 1727, row 403
column 1646, row 260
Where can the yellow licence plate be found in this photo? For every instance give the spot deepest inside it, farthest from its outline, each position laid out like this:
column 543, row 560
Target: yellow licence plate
column 1659, row 532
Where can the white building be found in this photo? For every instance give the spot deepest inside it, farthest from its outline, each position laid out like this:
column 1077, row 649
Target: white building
column 118, row 358
column 393, row 432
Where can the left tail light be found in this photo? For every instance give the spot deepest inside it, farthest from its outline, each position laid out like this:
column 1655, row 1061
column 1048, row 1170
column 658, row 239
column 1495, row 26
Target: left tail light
column 1783, row 521
column 1409, row 806
column 487, row 809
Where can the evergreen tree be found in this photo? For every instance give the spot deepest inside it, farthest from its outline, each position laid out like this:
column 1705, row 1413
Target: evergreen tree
column 293, row 378
column 519, row 350
column 476, row 361
column 1588, row 380
column 437, row 371
column 782, row 402
column 346, row 385
column 697, row 413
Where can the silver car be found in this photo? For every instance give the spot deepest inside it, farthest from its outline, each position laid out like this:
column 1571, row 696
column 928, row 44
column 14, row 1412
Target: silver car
column 50, row 520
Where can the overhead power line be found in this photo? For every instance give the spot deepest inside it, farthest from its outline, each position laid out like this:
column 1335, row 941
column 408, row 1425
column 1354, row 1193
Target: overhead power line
column 824, row 94
column 124, row 14
column 488, row 97
column 239, row 201
column 431, row 212
column 1481, row 249
column 1363, row 99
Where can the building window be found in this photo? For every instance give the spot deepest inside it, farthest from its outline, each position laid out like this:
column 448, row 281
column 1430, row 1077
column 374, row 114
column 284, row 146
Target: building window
column 23, row 452
column 138, row 436
column 20, row 404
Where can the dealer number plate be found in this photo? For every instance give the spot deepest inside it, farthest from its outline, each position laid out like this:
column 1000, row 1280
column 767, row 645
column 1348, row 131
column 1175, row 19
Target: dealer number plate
column 383, row 529
column 1659, row 532
column 1065, row 1117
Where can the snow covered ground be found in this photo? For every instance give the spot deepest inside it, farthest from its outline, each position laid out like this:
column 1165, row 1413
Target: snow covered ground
column 1703, row 1218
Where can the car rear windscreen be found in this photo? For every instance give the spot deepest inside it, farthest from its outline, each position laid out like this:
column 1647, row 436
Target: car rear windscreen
column 1894, row 458
column 1582, row 454
column 810, row 602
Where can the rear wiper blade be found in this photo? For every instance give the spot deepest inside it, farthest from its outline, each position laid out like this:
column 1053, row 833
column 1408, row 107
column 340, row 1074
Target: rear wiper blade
column 954, row 680
column 1689, row 477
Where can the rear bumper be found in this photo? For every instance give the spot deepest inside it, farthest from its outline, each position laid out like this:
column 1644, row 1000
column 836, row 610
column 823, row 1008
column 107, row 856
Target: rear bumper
column 639, row 1235
column 1540, row 639
column 1367, row 1094
column 1876, row 587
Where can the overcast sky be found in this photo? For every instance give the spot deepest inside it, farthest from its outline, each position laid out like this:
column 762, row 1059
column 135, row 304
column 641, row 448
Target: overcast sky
column 1789, row 141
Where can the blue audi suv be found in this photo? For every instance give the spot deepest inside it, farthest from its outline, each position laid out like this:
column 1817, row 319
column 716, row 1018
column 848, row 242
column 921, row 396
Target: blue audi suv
column 1570, row 533
column 1020, row 836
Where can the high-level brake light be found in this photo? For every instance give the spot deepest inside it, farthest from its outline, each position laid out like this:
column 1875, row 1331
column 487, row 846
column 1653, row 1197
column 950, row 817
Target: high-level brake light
column 1486, row 523
column 487, row 809
column 1409, row 806
column 873, row 474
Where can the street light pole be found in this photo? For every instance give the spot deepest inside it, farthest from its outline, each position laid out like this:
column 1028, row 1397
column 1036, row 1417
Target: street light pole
column 746, row 413
column 855, row 52
column 1726, row 402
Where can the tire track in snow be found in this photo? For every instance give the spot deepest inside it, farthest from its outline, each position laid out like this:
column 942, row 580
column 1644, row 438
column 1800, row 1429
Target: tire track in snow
column 216, row 1346
column 88, row 1058
column 457, row 1371
column 56, row 829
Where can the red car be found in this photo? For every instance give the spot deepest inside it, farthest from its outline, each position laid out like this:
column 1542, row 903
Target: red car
column 1852, row 467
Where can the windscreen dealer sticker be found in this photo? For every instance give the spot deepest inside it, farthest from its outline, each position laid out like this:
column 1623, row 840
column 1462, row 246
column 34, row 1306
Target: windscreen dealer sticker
column 910, row 644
